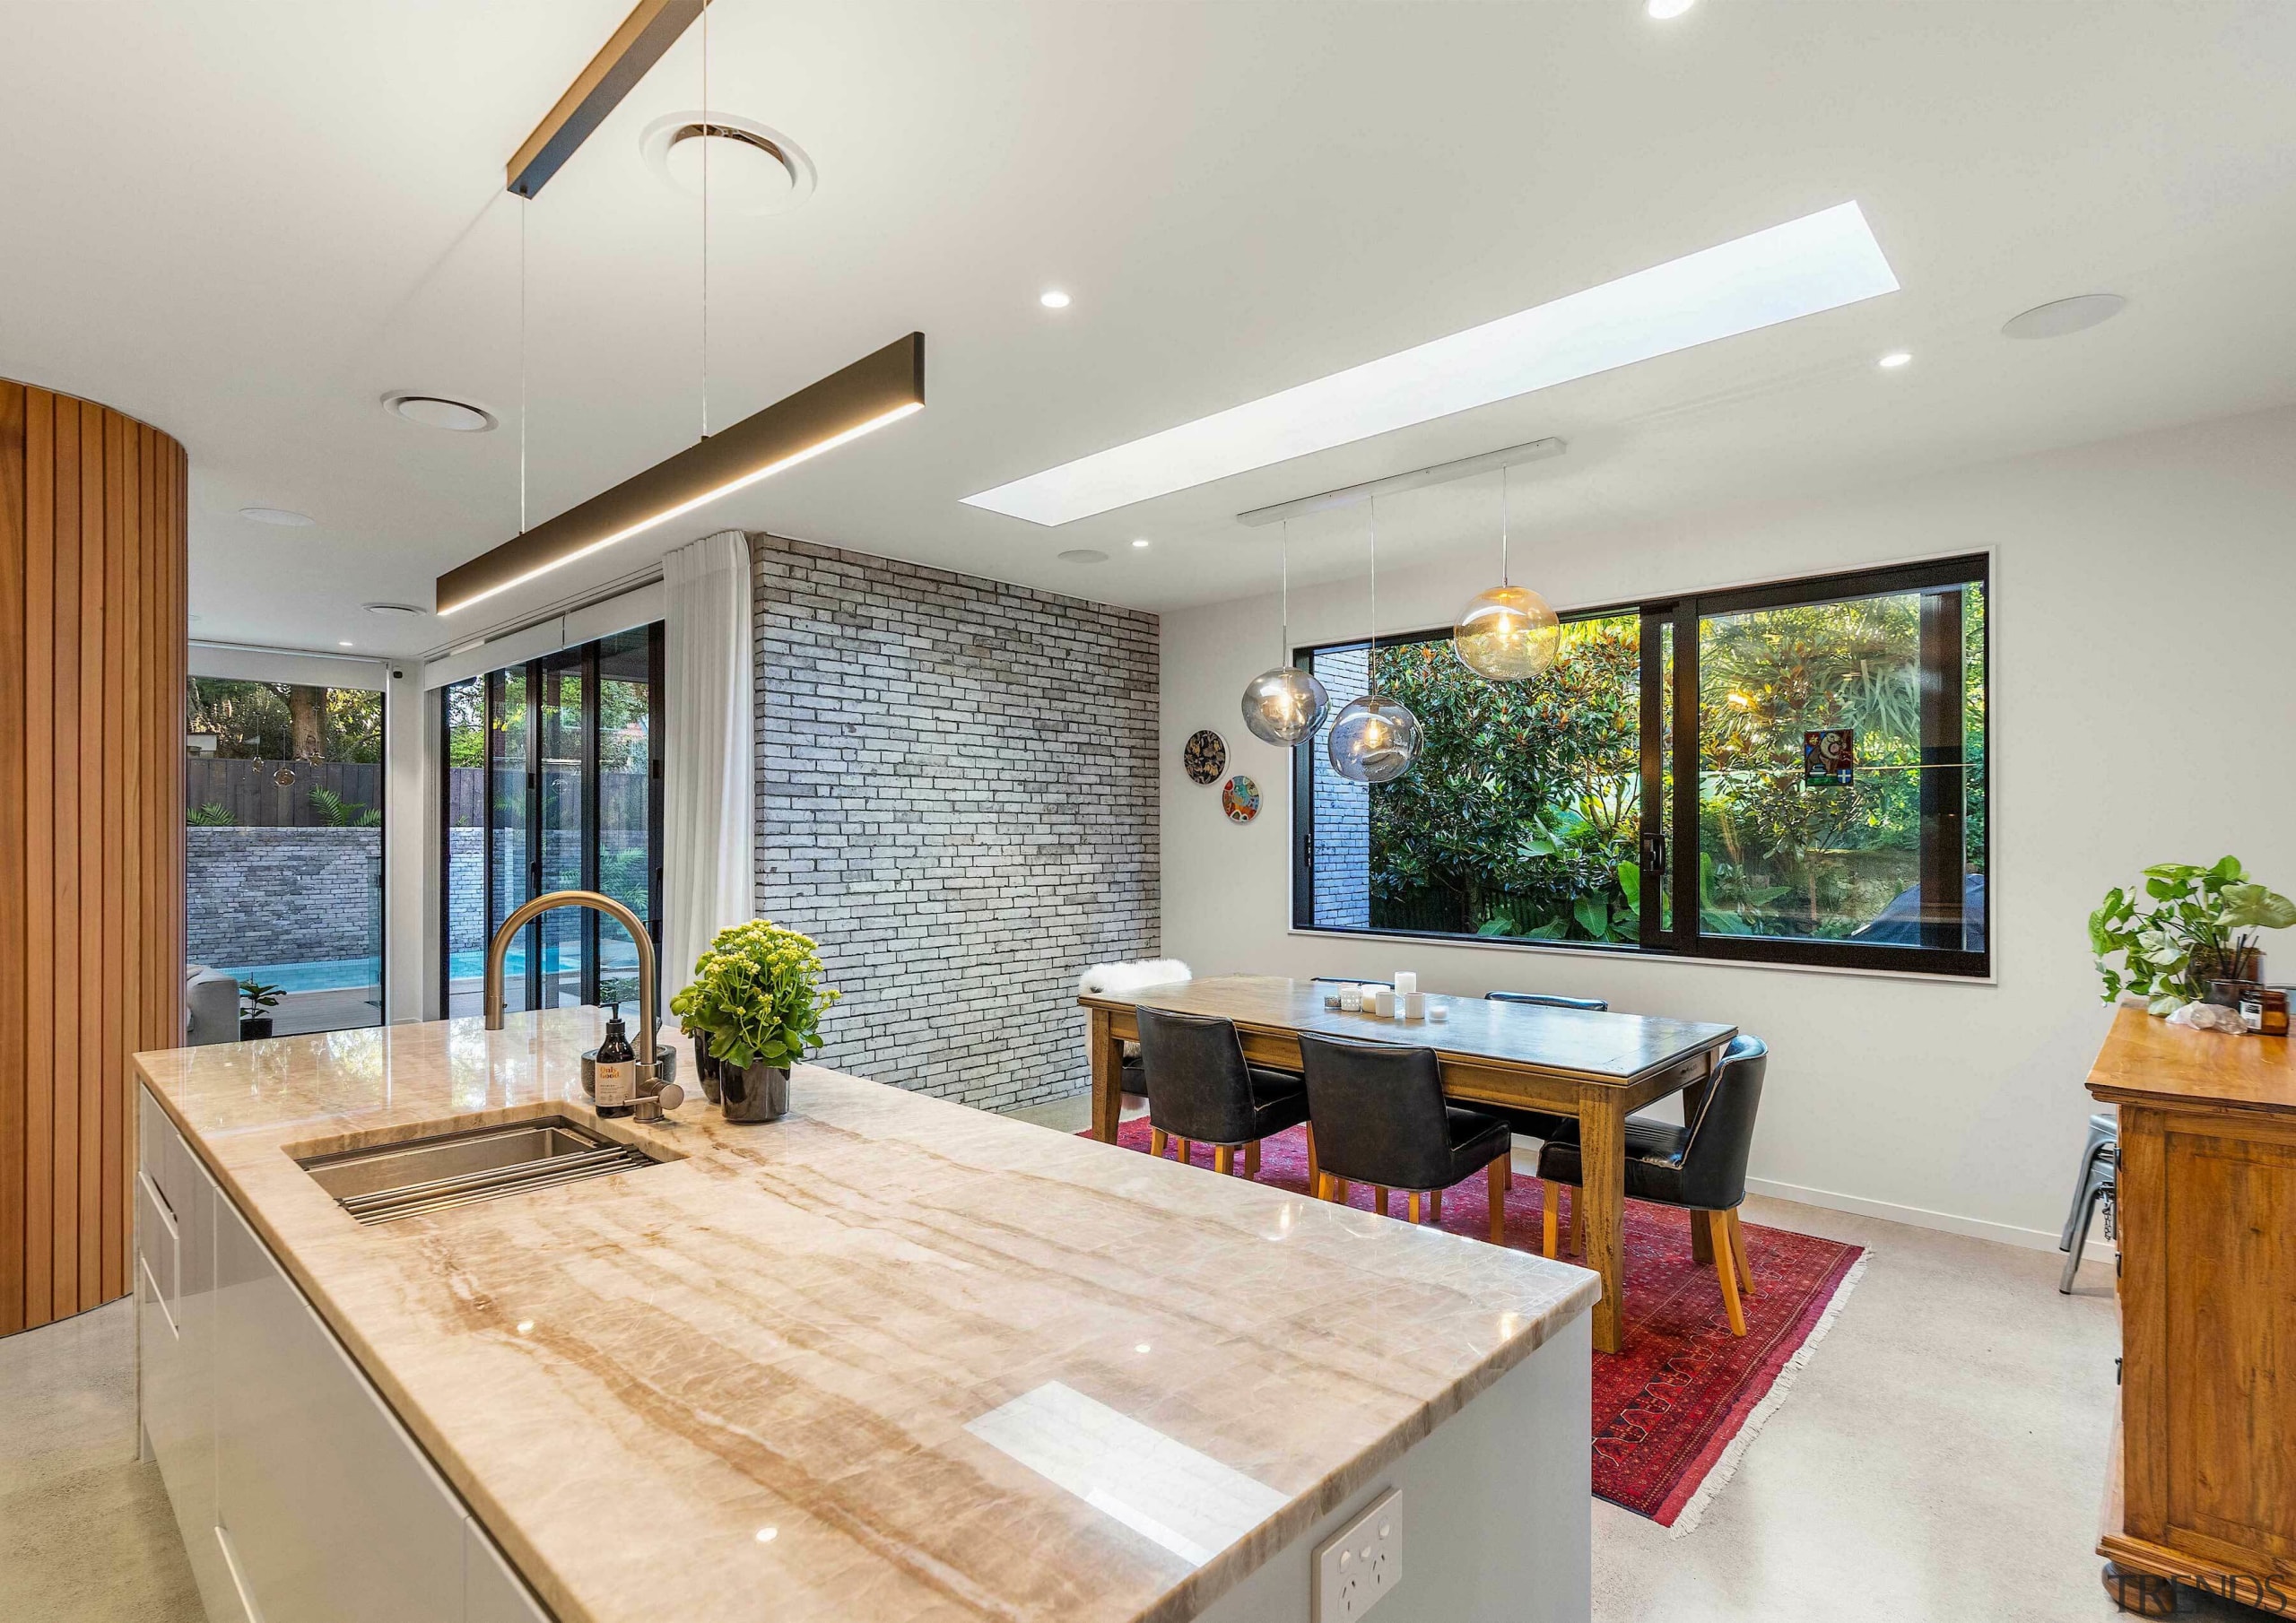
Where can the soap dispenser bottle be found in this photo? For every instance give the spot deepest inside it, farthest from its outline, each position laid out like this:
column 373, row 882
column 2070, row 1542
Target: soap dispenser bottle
column 615, row 1072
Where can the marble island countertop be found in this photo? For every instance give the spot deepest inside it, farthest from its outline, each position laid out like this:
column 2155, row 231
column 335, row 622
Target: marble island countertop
column 960, row 1367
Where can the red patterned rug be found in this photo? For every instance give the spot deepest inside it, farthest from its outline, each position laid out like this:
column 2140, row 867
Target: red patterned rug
column 1676, row 1401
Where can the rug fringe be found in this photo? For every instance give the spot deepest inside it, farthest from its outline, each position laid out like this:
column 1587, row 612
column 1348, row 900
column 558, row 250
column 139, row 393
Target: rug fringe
column 1726, row 1466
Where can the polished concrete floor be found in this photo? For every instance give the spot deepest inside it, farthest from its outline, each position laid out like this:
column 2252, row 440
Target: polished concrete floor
column 85, row 1532
column 1939, row 1458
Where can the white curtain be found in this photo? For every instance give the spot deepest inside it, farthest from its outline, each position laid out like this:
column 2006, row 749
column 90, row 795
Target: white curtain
column 707, row 749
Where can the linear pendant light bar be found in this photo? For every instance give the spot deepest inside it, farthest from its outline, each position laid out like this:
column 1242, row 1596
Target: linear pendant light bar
column 637, row 45
column 874, row 391
column 1442, row 473
column 1818, row 262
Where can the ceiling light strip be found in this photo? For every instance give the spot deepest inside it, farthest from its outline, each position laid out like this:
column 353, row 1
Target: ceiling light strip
column 874, row 391
column 1442, row 473
column 648, row 32
column 1818, row 262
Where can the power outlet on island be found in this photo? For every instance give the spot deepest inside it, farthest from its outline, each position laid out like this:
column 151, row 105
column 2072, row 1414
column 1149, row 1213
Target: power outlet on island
column 1359, row 1566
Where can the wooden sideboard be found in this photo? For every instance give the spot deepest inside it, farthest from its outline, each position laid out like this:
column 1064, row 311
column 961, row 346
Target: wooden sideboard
column 2202, row 1487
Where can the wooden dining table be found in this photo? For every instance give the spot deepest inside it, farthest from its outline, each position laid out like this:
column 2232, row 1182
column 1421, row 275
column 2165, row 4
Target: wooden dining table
column 1597, row 1067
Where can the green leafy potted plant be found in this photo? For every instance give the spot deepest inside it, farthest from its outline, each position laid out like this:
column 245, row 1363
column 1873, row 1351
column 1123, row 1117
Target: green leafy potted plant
column 2187, row 927
column 256, row 1000
column 756, row 999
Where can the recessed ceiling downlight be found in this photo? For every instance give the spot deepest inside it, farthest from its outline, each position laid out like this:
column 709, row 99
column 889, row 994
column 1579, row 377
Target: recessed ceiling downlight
column 1083, row 555
column 278, row 515
column 438, row 412
column 395, row 610
column 2059, row 316
column 752, row 170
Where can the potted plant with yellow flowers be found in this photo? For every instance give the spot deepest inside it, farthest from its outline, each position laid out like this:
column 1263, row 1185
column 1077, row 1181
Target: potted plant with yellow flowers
column 755, row 1002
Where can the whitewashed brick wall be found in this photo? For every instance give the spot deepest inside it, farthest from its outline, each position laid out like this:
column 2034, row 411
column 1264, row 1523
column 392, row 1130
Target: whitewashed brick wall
column 957, row 798
column 1342, row 807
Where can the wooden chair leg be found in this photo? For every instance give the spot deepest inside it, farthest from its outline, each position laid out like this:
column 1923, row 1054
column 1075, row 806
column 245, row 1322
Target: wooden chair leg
column 1181, row 1147
column 1551, row 1202
column 1578, row 1224
column 1380, row 1199
column 1155, row 1140
column 1435, row 1206
column 1251, row 1160
column 1738, row 1254
column 1339, row 1190
column 1719, row 1230
column 1224, row 1159
column 1414, row 1205
column 1496, row 1178
column 1314, row 1171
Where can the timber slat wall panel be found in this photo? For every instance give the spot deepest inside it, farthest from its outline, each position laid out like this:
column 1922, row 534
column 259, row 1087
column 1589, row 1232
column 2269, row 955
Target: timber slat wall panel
column 92, row 511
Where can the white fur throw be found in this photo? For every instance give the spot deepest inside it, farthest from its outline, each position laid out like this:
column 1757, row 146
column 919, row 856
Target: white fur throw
column 1106, row 978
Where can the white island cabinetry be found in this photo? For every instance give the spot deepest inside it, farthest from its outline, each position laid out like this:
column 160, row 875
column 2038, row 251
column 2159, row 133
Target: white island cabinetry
column 315, row 1504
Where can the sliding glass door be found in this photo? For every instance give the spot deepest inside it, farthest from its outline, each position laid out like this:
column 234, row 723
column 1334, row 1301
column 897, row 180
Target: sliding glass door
column 553, row 784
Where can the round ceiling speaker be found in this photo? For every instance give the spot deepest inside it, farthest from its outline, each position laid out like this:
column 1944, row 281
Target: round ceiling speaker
column 752, row 170
column 438, row 412
column 395, row 610
column 1083, row 555
column 2059, row 316
column 286, row 517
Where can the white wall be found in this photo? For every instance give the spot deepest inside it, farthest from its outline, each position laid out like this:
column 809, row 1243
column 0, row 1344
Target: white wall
column 2143, row 704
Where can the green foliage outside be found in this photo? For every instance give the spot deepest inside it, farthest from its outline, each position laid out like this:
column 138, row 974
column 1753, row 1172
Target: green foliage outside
column 1525, row 800
column 622, row 721
column 1522, row 814
column 262, row 720
column 336, row 813
column 210, row 816
column 2190, row 926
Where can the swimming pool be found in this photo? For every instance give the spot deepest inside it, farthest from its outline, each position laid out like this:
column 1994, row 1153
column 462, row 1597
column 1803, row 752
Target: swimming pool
column 347, row 974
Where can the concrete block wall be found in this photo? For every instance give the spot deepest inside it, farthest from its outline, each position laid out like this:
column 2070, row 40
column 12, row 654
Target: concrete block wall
column 282, row 896
column 958, row 799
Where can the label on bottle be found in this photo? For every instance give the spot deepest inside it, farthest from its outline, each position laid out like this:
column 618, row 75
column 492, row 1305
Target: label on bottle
column 615, row 1082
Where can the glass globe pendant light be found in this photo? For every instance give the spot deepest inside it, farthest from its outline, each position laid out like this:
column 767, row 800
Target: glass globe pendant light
column 1508, row 633
column 1286, row 704
column 1375, row 739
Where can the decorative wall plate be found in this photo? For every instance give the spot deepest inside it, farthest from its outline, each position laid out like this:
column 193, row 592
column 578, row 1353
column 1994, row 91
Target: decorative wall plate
column 1205, row 755
column 1240, row 799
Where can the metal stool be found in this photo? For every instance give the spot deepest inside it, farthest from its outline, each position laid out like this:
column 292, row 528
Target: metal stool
column 2099, row 1162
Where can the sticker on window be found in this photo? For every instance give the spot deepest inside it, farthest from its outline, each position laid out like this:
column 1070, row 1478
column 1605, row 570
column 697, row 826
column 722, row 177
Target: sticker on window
column 1829, row 757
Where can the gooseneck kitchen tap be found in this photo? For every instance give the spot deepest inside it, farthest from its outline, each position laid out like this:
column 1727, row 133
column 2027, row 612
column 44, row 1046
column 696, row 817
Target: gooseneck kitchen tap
column 597, row 903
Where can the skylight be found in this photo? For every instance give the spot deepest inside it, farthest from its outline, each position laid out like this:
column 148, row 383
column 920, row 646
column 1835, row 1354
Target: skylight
column 1819, row 262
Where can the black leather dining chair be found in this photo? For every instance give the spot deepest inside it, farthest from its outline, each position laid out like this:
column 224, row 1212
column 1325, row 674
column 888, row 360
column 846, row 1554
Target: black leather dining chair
column 1381, row 1118
column 1201, row 1090
column 1540, row 1123
column 1548, row 1000
column 1701, row 1165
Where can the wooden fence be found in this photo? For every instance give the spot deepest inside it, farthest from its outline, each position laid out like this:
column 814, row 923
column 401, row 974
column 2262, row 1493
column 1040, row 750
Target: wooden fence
column 251, row 793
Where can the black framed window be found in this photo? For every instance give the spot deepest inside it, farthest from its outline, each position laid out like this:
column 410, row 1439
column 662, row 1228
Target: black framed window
column 553, row 783
column 1806, row 760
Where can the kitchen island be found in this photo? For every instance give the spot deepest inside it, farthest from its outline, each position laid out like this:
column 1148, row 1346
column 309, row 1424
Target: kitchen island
column 888, row 1358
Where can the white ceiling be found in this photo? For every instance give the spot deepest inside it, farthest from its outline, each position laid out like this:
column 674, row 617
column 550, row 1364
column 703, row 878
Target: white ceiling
column 246, row 221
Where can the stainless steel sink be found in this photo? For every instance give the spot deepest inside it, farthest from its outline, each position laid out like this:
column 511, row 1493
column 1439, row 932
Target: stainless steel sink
column 387, row 1181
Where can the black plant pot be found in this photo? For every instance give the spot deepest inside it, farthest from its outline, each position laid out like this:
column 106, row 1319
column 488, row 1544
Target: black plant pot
column 253, row 1028
column 705, row 1066
column 752, row 1093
